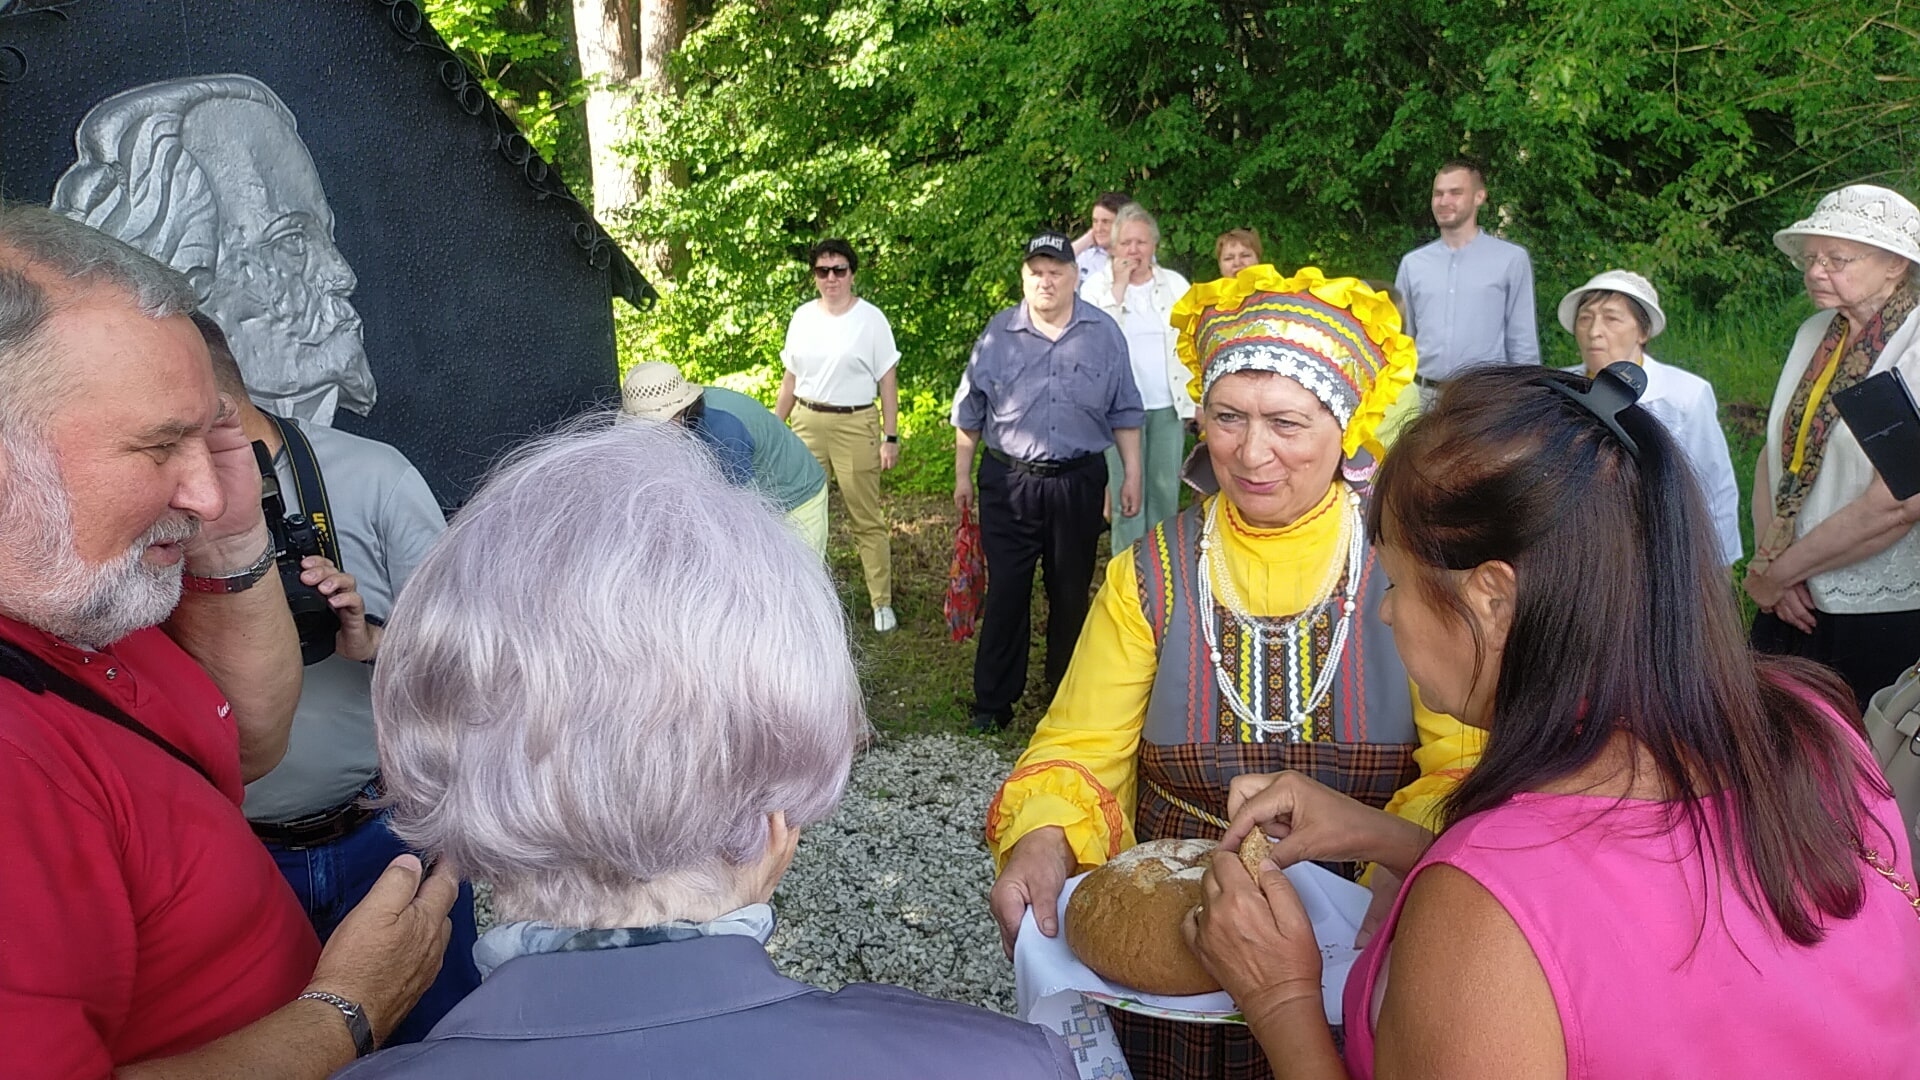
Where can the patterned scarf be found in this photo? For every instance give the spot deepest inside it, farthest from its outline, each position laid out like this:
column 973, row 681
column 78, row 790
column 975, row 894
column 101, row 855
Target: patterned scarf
column 1826, row 376
column 510, row 940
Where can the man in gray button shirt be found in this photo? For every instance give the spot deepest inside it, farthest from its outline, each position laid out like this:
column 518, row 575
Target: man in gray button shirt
column 308, row 810
column 1467, row 298
column 1048, row 388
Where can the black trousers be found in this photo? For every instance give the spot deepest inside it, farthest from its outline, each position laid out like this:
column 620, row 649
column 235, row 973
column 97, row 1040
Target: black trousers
column 1869, row 651
column 1052, row 521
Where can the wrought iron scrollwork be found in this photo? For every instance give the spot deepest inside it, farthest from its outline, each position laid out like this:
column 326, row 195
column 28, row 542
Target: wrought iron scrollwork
column 56, row 8
column 602, row 252
column 13, row 60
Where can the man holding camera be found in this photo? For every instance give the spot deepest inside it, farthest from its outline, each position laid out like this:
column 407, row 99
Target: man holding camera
column 353, row 501
column 148, row 669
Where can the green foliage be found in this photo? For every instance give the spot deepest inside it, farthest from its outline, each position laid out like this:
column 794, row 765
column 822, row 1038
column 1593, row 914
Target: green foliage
column 522, row 53
column 1672, row 138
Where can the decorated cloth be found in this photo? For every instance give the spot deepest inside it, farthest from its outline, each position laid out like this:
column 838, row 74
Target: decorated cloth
column 1812, row 416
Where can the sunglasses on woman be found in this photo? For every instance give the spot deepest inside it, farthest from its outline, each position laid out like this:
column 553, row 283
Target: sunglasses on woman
column 825, row 272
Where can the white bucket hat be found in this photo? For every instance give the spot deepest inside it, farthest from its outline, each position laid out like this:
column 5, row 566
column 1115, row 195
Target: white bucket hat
column 1625, row 282
column 1863, row 213
column 656, row 391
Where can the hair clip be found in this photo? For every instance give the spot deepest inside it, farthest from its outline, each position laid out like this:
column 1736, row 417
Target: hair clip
column 1617, row 388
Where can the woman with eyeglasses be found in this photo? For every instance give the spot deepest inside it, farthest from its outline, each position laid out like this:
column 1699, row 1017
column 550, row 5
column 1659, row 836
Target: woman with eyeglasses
column 1836, row 567
column 839, row 355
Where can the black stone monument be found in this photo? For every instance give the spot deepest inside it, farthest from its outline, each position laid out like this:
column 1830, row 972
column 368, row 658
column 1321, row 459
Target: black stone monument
column 481, row 285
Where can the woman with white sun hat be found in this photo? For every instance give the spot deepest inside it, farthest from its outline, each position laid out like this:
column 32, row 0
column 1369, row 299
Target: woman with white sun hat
column 1613, row 316
column 1836, row 567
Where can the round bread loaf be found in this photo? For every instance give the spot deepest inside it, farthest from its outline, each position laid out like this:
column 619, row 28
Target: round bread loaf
column 1124, row 921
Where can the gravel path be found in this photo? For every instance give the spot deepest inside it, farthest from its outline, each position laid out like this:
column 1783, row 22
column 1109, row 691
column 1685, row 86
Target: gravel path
column 893, row 887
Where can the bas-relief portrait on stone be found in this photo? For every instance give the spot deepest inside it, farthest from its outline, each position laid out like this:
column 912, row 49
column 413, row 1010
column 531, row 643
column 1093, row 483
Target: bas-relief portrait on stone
column 209, row 175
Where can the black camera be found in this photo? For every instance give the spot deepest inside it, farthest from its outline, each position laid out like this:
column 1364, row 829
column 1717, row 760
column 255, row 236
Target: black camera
column 296, row 537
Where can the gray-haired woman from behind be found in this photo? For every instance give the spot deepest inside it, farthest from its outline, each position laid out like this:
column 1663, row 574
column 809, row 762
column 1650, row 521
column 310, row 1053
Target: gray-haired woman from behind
column 618, row 689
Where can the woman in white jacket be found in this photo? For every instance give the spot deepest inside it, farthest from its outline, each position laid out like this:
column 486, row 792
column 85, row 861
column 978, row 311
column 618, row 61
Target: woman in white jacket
column 1612, row 316
column 1140, row 293
column 1836, row 566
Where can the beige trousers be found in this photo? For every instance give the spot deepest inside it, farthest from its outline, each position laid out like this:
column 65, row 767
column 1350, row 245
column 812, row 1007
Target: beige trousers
column 848, row 447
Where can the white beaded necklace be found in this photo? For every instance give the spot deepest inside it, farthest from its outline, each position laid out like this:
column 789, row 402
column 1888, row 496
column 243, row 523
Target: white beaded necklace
column 1288, row 630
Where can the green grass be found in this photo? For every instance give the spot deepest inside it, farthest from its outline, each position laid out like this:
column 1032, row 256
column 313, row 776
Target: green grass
column 919, row 682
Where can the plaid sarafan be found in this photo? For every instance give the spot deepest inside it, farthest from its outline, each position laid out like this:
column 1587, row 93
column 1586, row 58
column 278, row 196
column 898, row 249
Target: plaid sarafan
column 1198, row 774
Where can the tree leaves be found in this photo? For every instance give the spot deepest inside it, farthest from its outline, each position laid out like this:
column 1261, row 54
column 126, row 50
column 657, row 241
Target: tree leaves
column 938, row 134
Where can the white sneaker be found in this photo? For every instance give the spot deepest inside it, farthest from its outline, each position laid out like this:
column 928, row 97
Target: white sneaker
column 883, row 620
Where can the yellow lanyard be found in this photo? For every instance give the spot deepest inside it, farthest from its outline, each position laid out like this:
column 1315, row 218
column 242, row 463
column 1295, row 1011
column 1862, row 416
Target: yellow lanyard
column 1813, row 406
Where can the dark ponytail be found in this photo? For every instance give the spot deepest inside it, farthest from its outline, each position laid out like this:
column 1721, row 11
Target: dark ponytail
column 1624, row 615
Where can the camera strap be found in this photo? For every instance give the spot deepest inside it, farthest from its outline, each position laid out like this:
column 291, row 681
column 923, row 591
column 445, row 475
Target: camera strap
column 312, row 489
column 36, row 676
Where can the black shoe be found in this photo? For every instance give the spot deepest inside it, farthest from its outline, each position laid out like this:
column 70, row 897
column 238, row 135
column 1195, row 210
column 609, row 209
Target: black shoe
column 986, row 721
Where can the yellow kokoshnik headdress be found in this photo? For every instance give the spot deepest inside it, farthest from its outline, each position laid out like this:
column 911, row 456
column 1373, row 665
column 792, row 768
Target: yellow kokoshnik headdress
column 1338, row 337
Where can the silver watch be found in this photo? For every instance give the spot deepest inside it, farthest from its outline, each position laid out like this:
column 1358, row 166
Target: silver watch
column 238, row 581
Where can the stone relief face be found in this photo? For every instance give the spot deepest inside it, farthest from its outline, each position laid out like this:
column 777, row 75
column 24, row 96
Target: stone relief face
column 210, row 176
column 280, row 287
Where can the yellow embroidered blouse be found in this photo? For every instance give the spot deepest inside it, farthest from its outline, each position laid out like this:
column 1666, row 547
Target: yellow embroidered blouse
column 1079, row 771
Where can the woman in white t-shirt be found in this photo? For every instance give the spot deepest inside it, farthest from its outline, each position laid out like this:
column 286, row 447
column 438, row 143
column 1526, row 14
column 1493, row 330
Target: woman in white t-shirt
column 1139, row 294
column 1613, row 316
column 839, row 355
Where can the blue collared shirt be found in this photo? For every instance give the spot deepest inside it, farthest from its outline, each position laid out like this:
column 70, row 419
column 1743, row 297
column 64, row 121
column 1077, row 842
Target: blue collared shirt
column 730, row 442
column 1042, row 400
column 1469, row 306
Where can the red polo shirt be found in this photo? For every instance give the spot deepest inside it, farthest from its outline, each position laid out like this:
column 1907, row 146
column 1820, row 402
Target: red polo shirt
column 139, row 916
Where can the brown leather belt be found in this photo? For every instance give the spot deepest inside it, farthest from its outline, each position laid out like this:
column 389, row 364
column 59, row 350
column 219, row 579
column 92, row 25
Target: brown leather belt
column 818, row 406
column 325, row 827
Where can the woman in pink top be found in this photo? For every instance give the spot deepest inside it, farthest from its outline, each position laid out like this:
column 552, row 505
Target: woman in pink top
column 1674, row 859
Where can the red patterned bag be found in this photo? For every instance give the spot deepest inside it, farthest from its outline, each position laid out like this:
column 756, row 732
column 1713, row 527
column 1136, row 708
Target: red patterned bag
column 966, row 579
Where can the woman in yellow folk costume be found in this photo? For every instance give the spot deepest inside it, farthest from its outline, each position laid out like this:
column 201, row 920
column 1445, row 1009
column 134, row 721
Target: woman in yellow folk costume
column 1241, row 636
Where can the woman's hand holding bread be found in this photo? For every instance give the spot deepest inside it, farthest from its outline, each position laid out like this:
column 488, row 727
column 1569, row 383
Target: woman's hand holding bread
column 1252, row 934
column 1037, row 868
column 1310, row 821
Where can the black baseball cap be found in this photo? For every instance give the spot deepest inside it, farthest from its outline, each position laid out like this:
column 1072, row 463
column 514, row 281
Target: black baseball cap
column 1049, row 245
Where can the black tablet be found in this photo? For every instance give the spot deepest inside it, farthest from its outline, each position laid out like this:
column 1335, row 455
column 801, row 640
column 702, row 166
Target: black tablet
column 1880, row 411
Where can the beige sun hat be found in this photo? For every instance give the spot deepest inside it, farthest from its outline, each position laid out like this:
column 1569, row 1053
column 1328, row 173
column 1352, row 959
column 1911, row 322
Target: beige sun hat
column 656, row 391
column 1863, row 213
column 1625, row 282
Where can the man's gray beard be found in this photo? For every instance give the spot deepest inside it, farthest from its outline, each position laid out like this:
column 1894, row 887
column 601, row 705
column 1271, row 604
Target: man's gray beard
column 86, row 605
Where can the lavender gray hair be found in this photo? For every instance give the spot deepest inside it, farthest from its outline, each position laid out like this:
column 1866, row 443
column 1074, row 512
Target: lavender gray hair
column 1133, row 212
column 39, row 252
column 606, row 675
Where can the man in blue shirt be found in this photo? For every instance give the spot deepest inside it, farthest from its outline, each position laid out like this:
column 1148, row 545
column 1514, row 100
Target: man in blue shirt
column 753, row 447
column 1467, row 298
column 1048, row 388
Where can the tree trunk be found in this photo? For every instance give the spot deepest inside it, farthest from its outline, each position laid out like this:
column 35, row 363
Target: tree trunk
column 608, row 33
column 663, row 25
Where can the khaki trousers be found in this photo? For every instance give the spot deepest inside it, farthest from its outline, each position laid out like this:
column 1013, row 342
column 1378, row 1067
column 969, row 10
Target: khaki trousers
column 848, row 447
column 809, row 519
